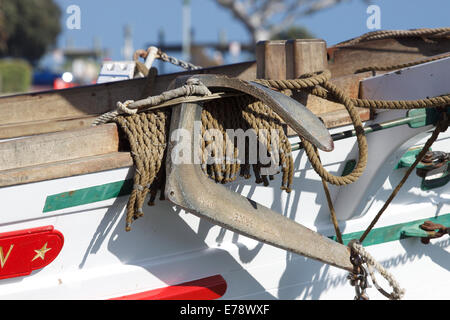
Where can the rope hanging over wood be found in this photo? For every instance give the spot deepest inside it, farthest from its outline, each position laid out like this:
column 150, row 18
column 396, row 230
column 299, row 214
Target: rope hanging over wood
column 148, row 132
column 147, row 137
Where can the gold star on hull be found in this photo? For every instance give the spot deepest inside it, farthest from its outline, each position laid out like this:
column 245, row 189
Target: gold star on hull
column 41, row 252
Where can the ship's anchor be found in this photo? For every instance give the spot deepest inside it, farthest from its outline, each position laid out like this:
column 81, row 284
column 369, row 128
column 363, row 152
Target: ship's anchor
column 188, row 187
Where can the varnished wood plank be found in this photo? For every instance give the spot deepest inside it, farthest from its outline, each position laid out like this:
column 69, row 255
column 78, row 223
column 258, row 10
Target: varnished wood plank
column 67, row 168
column 271, row 59
column 96, row 99
column 349, row 83
column 59, row 146
column 44, row 126
column 305, row 56
column 280, row 59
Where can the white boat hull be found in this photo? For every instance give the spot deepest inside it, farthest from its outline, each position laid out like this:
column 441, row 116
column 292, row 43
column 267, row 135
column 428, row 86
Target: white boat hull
column 168, row 246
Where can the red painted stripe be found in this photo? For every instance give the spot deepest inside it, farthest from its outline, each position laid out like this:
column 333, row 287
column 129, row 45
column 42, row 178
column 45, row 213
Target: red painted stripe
column 209, row 288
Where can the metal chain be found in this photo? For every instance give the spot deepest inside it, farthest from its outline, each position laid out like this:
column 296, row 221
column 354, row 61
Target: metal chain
column 158, row 54
column 185, row 65
column 358, row 277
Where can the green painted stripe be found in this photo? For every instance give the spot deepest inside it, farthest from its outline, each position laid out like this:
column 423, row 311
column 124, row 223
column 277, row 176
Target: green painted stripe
column 393, row 232
column 87, row 195
column 120, row 188
column 409, row 158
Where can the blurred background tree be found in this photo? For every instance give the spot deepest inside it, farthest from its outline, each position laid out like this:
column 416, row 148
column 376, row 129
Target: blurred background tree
column 28, row 28
column 293, row 32
column 15, row 75
column 270, row 19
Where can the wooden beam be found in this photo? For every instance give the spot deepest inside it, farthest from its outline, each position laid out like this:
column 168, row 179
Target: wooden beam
column 57, row 155
column 59, row 146
column 44, row 126
column 280, row 59
column 346, row 60
column 291, row 59
column 96, row 99
column 271, row 60
column 39, row 106
column 305, row 56
column 334, row 114
column 66, row 168
column 350, row 84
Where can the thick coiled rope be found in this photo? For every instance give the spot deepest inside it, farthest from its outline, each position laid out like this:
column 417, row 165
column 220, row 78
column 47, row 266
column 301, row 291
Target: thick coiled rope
column 331, row 92
column 245, row 113
column 147, row 135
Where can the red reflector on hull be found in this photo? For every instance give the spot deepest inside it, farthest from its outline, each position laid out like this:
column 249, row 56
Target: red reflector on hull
column 209, row 288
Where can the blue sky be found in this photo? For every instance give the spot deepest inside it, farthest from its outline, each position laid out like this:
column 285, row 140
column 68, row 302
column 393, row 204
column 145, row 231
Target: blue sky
column 105, row 20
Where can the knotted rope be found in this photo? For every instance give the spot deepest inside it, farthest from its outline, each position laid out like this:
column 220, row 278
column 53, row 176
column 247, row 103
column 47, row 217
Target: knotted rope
column 193, row 87
column 147, row 133
column 312, row 82
column 367, row 259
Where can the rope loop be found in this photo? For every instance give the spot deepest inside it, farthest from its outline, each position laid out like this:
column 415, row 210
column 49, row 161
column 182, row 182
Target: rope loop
column 122, row 107
column 319, row 84
column 305, row 82
column 312, row 153
column 366, row 258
